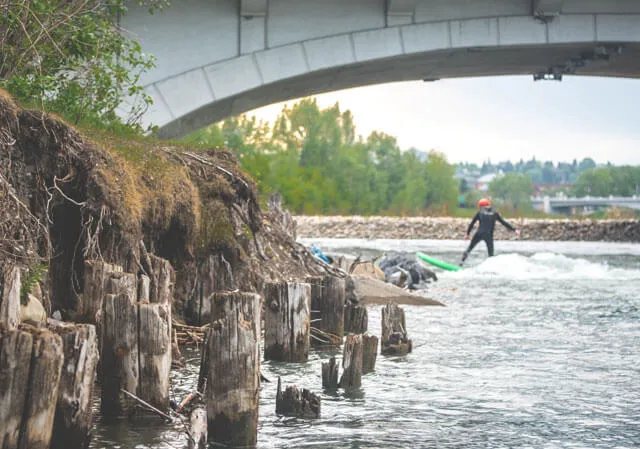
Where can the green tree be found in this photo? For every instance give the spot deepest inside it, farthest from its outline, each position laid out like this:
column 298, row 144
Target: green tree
column 70, row 57
column 513, row 190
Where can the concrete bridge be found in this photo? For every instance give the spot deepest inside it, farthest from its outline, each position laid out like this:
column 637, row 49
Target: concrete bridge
column 217, row 58
column 565, row 204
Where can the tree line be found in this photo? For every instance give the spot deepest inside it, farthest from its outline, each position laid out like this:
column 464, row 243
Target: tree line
column 314, row 159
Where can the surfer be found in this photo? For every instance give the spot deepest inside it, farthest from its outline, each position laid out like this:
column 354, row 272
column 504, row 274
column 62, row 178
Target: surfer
column 487, row 217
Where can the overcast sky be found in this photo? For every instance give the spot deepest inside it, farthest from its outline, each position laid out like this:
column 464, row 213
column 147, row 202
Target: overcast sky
column 501, row 118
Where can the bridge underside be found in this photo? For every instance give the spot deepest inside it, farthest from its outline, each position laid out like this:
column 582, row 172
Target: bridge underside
column 430, row 66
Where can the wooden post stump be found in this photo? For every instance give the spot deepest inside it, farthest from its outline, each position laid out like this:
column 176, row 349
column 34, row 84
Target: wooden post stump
column 10, row 296
column 356, row 319
column 394, row 331
column 215, row 275
column 287, row 321
column 234, row 371
column 120, row 358
column 330, row 374
column 369, row 353
column 96, row 274
column 198, row 428
column 144, row 288
column 74, row 411
column 162, row 282
column 203, row 374
column 352, row 362
column 293, row 402
column 42, row 389
column 15, row 360
column 327, row 306
column 154, row 344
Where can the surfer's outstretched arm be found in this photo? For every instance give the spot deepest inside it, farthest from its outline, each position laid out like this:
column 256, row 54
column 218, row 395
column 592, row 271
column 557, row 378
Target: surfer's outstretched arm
column 506, row 224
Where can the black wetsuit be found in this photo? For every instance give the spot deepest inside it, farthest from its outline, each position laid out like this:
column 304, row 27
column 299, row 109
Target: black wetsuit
column 487, row 218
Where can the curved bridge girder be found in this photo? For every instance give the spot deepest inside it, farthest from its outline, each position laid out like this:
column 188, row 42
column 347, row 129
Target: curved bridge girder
column 572, row 44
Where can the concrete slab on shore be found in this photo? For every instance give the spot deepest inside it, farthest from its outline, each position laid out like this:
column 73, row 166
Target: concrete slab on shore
column 373, row 291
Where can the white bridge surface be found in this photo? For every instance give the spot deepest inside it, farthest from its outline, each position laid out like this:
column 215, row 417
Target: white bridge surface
column 551, row 204
column 217, row 58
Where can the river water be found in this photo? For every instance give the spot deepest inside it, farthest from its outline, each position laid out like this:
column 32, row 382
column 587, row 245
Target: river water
column 538, row 347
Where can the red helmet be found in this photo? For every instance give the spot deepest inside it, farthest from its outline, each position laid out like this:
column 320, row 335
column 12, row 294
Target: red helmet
column 484, row 202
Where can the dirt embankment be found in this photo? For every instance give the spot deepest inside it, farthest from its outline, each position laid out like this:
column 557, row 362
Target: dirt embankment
column 455, row 228
column 68, row 196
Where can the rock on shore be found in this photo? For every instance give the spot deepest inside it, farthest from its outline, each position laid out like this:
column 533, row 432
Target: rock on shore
column 454, row 228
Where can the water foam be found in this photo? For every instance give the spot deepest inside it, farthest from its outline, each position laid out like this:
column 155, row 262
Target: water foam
column 545, row 266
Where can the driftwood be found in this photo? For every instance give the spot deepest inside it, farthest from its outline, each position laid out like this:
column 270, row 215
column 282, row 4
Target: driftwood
column 327, row 305
column 233, row 384
column 287, row 321
column 146, row 405
column 330, row 374
column 394, row 331
column 352, row 362
column 10, row 296
column 42, row 389
column 120, row 356
column 356, row 319
column 294, row 402
column 74, row 409
column 198, row 428
column 369, row 353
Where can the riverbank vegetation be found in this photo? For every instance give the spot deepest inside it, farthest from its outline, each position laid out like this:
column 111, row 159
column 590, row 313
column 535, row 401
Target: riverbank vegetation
column 314, row 159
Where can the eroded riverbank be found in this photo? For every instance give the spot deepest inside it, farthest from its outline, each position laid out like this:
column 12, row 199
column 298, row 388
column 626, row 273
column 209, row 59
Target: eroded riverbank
column 444, row 228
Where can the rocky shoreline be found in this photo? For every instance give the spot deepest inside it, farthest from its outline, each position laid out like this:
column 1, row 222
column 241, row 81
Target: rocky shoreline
column 443, row 228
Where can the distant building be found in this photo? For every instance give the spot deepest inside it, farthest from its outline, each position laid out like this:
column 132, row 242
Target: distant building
column 482, row 183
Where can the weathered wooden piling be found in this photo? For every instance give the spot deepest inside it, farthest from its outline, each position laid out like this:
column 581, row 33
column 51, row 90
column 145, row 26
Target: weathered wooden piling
column 96, row 274
column 356, row 319
column 295, row 402
column 203, row 374
column 154, row 344
column 369, row 353
column 215, row 275
column 233, row 384
column 10, row 296
column 394, row 331
column 144, row 288
column 287, row 321
column 120, row 355
column 162, row 281
column 74, row 411
column 198, row 428
column 42, row 389
column 330, row 374
column 352, row 362
column 327, row 305
column 15, row 361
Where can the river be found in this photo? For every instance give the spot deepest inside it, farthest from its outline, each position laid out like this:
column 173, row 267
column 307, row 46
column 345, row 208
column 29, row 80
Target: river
column 538, row 347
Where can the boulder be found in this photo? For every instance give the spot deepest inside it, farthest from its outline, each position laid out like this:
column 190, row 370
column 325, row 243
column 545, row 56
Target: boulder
column 373, row 291
column 32, row 312
column 404, row 270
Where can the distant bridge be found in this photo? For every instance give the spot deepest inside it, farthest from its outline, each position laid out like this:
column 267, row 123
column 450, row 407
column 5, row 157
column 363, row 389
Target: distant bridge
column 566, row 204
column 217, row 58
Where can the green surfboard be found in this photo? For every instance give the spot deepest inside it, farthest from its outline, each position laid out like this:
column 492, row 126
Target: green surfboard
column 437, row 262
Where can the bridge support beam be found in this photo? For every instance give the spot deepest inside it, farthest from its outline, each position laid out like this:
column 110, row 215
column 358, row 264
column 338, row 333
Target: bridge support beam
column 253, row 25
column 546, row 10
column 400, row 12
